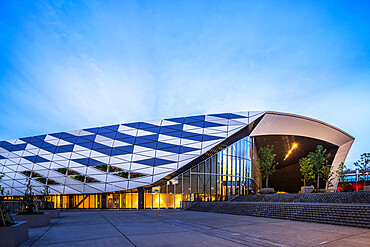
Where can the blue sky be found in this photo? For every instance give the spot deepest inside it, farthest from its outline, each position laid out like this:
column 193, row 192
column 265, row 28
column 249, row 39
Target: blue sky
column 68, row 65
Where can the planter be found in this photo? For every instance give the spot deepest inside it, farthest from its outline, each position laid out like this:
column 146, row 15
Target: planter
column 307, row 189
column 14, row 235
column 267, row 191
column 54, row 213
column 34, row 220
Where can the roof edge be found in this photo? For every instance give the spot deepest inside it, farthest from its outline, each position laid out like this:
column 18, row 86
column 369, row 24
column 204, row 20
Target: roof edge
column 310, row 119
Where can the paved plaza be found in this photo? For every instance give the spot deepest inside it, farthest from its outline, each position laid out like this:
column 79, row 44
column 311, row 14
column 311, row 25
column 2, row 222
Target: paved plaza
column 187, row 228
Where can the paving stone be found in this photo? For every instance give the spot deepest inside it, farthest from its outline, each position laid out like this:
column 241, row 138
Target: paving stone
column 188, row 228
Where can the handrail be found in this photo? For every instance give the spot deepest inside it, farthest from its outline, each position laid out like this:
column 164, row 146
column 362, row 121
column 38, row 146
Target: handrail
column 232, row 198
column 188, row 206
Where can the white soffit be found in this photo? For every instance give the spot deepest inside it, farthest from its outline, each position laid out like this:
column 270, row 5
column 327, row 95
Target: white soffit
column 275, row 123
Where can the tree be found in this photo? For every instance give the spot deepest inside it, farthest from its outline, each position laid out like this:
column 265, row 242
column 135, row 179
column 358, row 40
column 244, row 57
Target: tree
column 28, row 205
column 326, row 174
column 46, row 198
column 6, row 218
column 266, row 163
column 342, row 172
column 363, row 166
column 306, row 170
column 319, row 158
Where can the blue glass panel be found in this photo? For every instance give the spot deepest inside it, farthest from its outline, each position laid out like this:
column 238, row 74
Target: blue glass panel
column 222, row 115
column 104, row 130
column 199, row 117
column 86, row 145
column 68, row 147
column 189, row 120
column 154, row 162
column 132, row 125
column 93, row 162
column 122, row 135
column 56, row 135
column 50, row 149
column 187, row 134
column 46, row 144
column 106, row 151
column 196, row 124
column 187, row 149
column 67, row 135
column 31, row 158
column 92, row 130
column 40, row 159
column 210, row 124
column 154, row 129
column 210, row 138
column 144, row 125
column 19, row 147
column 2, row 143
column 112, row 127
column 8, row 147
column 70, row 139
column 162, row 145
column 128, row 149
column 40, row 137
column 37, row 144
column 141, row 140
column 83, row 140
column 159, row 162
column 194, row 138
column 116, row 151
column 26, row 139
column 130, row 140
column 149, row 162
column 83, row 161
column 234, row 116
column 34, row 139
column 99, row 146
column 109, row 134
column 151, row 137
column 174, row 149
column 174, row 134
column 177, row 120
column 2, row 157
column 64, row 149
column 148, row 145
column 166, row 129
column 175, row 126
column 88, row 137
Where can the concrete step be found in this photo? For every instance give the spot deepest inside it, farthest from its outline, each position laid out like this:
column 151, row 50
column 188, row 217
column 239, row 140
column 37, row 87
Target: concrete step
column 357, row 216
column 342, row 197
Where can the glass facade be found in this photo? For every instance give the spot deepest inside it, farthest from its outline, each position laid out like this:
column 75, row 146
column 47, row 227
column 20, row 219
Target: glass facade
column 218, row 178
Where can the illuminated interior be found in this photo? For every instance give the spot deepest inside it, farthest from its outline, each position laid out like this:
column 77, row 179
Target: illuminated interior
column 220, row 177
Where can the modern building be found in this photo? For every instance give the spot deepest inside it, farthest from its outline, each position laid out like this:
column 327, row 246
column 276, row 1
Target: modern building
column 161, row 164
column 354, row 181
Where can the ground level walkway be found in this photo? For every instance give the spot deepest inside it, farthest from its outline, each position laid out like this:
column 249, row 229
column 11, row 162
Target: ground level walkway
column 187, row 228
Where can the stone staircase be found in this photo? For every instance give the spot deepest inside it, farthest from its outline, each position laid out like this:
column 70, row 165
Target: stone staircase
column 355, row 215
column 346, row 197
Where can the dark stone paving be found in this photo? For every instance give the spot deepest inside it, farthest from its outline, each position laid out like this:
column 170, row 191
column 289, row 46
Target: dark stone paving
column 187, row 228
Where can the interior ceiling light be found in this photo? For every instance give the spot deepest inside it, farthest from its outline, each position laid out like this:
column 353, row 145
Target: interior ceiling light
column 295, row 145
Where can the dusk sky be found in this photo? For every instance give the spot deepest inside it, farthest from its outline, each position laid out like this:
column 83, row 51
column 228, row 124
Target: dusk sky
column 68, row 65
